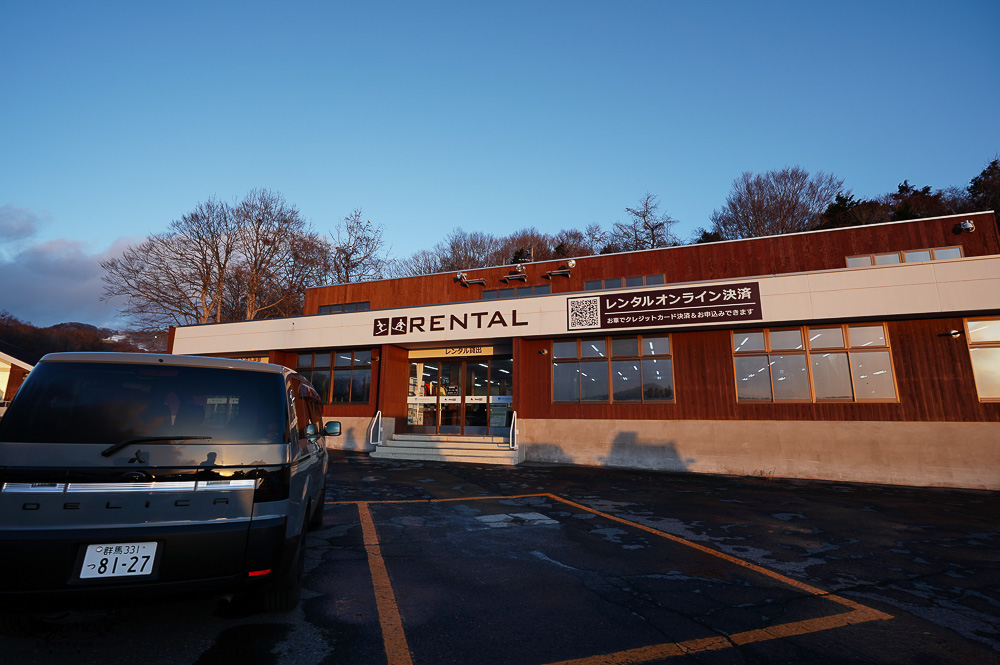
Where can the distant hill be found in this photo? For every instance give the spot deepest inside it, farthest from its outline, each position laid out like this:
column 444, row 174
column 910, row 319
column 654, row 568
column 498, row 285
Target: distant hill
column 75, row 336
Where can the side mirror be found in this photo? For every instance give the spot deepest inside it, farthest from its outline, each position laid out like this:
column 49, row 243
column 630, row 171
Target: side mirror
column 311, row 432
column 332, row 428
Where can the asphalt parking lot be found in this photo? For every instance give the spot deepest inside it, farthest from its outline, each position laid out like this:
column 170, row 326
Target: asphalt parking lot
column 430, row 563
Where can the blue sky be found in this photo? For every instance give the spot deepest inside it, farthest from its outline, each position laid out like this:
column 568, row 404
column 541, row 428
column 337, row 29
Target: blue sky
column 119, row 117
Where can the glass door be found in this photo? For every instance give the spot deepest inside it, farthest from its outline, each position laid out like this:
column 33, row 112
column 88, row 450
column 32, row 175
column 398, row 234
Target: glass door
column 421, row 403
column 450, row 398
column 468, row 397
column 501, row 394
column 477, row 388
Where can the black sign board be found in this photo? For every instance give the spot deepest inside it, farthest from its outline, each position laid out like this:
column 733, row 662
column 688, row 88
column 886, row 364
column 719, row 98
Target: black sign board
column 718, row 303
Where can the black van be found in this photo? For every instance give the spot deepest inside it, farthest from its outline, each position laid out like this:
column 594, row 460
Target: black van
column 127, row 477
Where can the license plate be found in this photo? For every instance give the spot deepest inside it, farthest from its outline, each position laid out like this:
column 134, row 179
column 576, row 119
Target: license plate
column 118, row 560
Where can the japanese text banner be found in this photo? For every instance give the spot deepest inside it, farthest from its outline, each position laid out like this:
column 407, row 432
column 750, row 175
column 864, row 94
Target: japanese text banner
column 718, row 303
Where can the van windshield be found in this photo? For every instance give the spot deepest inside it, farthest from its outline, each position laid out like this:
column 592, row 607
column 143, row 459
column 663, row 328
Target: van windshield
column 63, row 402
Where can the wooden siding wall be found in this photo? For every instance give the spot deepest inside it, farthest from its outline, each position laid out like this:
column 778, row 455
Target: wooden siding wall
column 14, row 381
column 822, row 250
column 933, row 374
column 394, row 377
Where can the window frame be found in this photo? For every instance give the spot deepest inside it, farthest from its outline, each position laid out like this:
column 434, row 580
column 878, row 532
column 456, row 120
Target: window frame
column 344, row 308
column 767, row 352
column 845, row 348
column 973, row 345
column 901, row 256
column 607, row 360
column 331, row 367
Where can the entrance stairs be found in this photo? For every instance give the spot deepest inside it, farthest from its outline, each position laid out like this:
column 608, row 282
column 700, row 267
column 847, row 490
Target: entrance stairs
column 449, row 448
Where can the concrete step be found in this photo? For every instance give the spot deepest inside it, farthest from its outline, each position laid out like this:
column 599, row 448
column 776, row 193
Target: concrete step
column 446, row 445
column 482, row 450
column 428, row 455
column 449, row 438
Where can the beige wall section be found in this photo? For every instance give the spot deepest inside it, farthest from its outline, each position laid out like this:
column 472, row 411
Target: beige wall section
column 354, row 433
column 959, row 285
column 922, row 454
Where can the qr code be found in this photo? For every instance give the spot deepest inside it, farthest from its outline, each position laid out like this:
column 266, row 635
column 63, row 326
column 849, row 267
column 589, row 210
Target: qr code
column 584, row 313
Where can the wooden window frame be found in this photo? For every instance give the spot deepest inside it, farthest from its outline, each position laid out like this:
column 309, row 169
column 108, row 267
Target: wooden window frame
column 608, row 359
column 901, row 254
column 808, row 351
column 989, row 344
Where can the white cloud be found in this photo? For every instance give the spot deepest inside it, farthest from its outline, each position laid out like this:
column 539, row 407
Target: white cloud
column 17, row 223
column 58, row 281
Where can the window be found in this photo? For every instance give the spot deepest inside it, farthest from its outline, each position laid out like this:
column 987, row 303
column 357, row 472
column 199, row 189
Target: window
column 615, row 369
column 908, row 256
column 352, row 375
column 517, row 292
column 822, row 363
column 315, row 366
column 342, row 375
column 780, row 375
column 983, row 336
column 616, row 282
column 345, row 307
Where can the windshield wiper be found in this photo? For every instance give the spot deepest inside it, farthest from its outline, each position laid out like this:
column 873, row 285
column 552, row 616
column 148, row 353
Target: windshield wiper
column 111, row 450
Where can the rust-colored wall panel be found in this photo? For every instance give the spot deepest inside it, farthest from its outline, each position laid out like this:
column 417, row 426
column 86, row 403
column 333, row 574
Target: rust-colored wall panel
column 821, row 250
column 933, row 375
column 394, row 376
column 14, row 381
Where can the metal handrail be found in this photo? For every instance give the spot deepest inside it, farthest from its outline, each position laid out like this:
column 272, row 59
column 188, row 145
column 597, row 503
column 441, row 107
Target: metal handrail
column 376, row 425
column 513, row 430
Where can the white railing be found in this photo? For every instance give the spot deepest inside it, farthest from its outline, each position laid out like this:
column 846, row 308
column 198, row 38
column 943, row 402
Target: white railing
column 513, row 430
column 375, row 430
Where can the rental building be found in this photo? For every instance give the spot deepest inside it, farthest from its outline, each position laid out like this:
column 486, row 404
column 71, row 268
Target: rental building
column 867, row 353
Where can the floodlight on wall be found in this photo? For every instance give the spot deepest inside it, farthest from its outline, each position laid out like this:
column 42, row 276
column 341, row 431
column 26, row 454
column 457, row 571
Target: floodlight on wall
column 464, row 280
column 517, row 274
column 565, row 272
column 968, row 226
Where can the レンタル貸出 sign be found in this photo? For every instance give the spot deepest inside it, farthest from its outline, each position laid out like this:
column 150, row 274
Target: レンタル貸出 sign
column 719, row 303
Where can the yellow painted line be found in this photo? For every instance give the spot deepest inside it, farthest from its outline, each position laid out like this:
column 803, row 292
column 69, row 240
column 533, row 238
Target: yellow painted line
column 690, row 647
column 499, row 497
column 860, row 613
column 397, row 651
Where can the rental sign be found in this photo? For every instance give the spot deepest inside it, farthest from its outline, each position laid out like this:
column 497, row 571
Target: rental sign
column 468, row 321
column 718, row 303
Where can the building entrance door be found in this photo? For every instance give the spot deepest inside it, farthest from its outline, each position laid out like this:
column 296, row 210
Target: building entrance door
column 470, row 397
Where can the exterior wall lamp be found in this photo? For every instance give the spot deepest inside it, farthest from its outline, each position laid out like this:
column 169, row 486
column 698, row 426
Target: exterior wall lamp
column 517, row 274
column 967, row 227
column 565, row 272
column 463, row 279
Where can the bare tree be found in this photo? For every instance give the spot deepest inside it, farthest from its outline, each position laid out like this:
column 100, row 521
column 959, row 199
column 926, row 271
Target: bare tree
column 460, row 250
column 359, row 250
column 526, row 245
column 250, row 260
column 177, row 277
column 645, row 228
column 158, row 284
column 984, row 189
column 568, row 243
column 265, row 225
column 596, row 237
column 423, row 262
column 783, row 201
column 206, row 235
